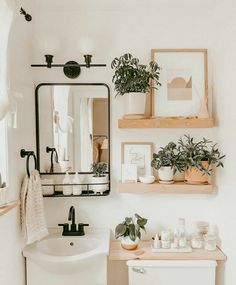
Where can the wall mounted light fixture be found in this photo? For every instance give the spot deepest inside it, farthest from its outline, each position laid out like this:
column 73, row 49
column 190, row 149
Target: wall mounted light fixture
column 71, row 69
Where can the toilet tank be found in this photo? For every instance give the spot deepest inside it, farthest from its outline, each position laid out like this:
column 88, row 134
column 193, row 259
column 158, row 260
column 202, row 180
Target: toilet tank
column 172, row 272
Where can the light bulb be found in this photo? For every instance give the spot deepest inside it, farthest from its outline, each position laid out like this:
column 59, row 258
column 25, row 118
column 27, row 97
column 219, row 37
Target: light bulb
column 86, row 46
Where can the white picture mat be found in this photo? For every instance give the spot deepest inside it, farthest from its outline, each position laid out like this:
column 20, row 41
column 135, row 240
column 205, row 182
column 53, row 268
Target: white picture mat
column 129, row 173
column 140, row 154
column 170, row 61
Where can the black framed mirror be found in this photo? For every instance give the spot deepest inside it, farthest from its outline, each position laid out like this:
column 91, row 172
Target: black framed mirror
column 73, row 134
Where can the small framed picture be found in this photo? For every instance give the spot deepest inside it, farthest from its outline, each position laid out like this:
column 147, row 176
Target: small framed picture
column 184, row 82
column 140, row 154
column 129, row 173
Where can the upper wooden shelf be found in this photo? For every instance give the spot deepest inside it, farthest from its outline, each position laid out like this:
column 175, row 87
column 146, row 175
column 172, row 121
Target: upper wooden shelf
column 7, row 207
column 175, row 188
column 166, row 123
column 144, row 252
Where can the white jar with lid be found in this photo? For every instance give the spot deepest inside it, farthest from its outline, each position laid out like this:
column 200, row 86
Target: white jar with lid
column 210, row 242
column 196, row 241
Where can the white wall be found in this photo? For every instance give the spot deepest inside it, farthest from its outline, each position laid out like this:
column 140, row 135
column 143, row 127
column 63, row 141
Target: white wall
column 136, row 27
column 11, row 260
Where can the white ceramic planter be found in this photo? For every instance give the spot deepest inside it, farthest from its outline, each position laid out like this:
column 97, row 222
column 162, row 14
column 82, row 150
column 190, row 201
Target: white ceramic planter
column 99, row 188
column 166, row 173
column 128, row 244
column 135, row 103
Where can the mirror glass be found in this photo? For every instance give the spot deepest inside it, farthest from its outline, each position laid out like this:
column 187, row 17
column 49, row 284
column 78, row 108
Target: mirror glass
column 73, row 119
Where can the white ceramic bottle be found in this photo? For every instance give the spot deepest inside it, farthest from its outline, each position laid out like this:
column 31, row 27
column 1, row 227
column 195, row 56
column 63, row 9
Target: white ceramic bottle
column 77, row 189
column 67, row 189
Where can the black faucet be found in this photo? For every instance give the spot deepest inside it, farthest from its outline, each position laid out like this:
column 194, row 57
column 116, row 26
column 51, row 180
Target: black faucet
column 73, row 231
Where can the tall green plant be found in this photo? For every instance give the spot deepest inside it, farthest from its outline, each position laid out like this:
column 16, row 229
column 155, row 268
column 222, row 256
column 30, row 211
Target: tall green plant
column 131, row 76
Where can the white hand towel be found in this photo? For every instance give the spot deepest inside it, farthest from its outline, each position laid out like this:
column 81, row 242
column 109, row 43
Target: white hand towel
column 32, row 211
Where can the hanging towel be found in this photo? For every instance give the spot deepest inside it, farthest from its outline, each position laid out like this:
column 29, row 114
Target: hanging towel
column 32, row 211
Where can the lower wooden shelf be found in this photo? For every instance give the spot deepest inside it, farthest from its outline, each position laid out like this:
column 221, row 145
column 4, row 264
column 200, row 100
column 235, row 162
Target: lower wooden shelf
column 167, row 123
column 7, row 207
column 175, row 188
column 144, row 252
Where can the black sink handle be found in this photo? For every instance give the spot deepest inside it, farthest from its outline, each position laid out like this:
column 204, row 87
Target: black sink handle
column 65, row 227
column 81, row 228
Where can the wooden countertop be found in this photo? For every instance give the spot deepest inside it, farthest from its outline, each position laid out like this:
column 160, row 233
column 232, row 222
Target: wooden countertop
column 144, row 252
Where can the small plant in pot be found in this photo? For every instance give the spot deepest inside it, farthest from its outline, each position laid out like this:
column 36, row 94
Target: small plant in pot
column 199, row 159
column 99, row 177
column 133, row 80
column 167, row 161
column 129, row 231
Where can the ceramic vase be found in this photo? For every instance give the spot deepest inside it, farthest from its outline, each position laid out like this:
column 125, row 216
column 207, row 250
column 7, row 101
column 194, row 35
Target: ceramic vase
column 195, row 176
column 102, row 187
column 128, row 244
column 166, row 174
column 135, row 105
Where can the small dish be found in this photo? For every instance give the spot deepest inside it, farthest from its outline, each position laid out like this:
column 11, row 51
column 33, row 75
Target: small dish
column 147, row 179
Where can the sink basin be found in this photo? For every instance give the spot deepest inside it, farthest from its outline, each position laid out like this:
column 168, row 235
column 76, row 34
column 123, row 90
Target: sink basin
column 66, row 254
column 67, row 246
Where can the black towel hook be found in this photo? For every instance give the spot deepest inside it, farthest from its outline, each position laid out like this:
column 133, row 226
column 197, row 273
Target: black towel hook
column 28, row 153
column 53, row 151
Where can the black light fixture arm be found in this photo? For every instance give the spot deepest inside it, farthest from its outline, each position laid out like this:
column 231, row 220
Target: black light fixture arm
column 28, row 17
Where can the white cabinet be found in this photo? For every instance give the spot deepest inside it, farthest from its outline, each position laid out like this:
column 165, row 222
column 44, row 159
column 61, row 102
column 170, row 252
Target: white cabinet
column 169, row 272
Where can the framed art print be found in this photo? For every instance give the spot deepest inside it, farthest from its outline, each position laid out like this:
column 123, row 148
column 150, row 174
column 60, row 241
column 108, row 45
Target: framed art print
column 184, row 82
column 139, row 153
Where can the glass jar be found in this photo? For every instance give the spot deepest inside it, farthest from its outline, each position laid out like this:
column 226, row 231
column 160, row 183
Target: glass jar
column 196, row 241
column 210, row 242
column 203, row 228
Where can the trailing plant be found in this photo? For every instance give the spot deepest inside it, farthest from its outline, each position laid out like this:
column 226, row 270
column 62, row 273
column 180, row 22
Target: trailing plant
column 99, row 169
column 168, row 156
column 131, row 227
column 194, row 153
column 131, row 76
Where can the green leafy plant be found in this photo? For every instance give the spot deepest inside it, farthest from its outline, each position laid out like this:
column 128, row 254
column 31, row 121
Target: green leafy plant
column 168, row 156
column 131, row 227
column 194, row 153
column 99, row 169
column 130, row 76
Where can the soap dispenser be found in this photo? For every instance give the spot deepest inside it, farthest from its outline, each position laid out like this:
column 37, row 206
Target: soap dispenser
column 67, row 189
column 77, row 189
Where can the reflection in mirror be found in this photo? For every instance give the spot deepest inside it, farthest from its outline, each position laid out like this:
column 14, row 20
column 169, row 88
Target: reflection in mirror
column 73, row 126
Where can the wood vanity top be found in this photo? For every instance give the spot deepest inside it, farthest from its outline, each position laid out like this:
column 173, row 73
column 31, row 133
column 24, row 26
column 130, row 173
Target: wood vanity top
column 144, row 252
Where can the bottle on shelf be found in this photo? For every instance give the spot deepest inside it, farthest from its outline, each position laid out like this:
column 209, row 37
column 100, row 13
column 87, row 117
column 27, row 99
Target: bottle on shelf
column 77, row 189
column 67, row 189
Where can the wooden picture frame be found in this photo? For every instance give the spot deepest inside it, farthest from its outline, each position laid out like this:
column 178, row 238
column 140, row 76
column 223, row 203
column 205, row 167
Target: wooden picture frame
column 139, row 153
column 179, row 67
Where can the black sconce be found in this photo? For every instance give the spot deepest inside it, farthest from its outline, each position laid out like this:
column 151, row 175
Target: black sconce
column 71, row 69
column 28, row 17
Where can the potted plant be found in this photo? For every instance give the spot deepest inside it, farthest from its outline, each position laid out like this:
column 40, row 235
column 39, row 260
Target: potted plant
column 99, row 178
column 129, row 231
column 134, row 80
column 167, row 161
column 199, row 159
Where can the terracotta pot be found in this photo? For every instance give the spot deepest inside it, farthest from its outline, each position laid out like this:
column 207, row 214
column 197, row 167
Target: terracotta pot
column 128, row 244
column 166, row 173
column 135, row 103
column 195, row 176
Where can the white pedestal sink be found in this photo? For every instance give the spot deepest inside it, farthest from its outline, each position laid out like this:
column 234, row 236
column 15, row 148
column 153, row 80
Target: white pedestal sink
column 60, row 260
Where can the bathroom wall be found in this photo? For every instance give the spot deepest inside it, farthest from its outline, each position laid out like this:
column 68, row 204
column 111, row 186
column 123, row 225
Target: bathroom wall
column 11, row 261
column 136, row 26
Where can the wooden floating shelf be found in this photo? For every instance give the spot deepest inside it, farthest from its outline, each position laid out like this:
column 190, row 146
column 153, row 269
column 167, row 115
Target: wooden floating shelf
column 175, row 188
column 166, row 123
column 7, row 207
column 144, row 252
